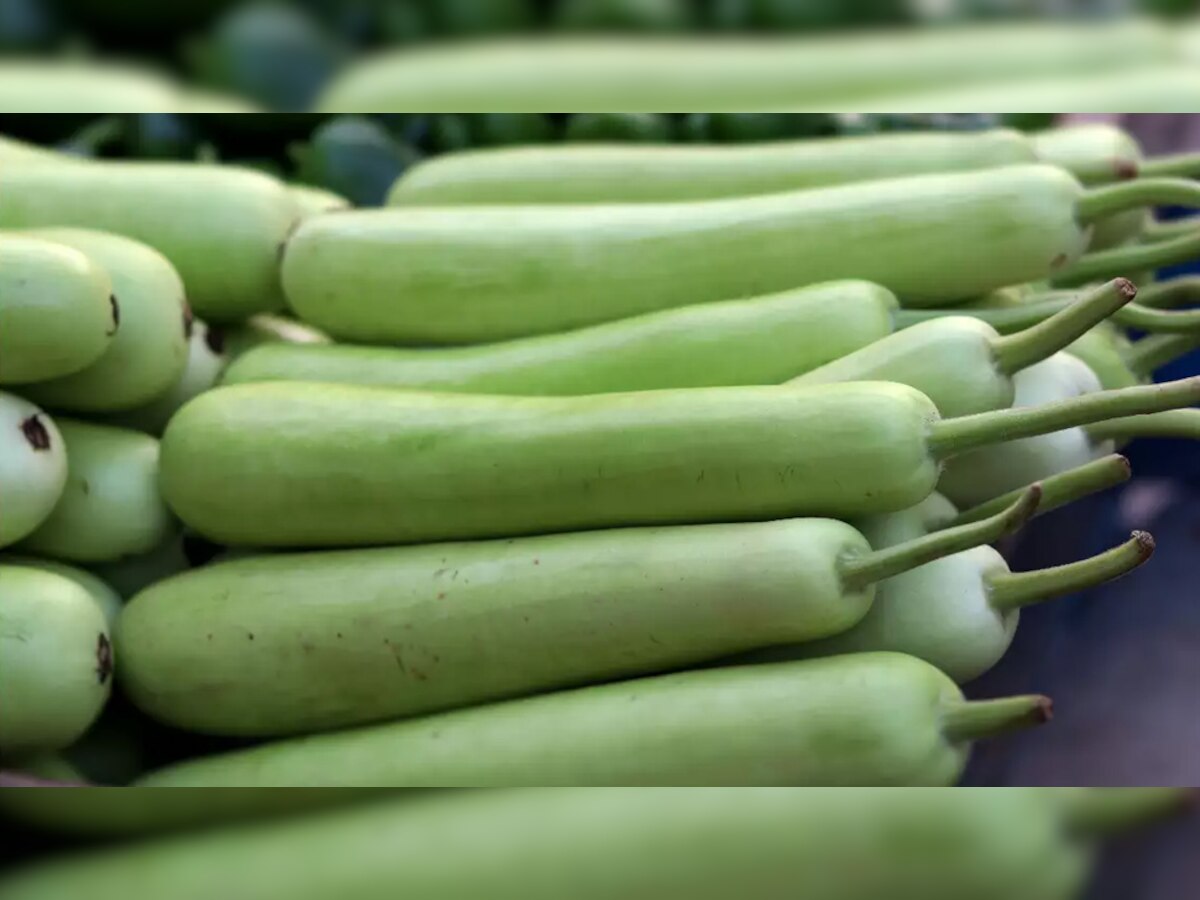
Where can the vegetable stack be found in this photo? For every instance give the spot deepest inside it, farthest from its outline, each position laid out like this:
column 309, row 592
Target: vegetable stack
column 681, row 467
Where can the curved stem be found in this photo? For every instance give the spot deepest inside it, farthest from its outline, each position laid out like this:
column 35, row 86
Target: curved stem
column 861, row 571
column 1034, row 344
column 1181, row 424
column 1017, row 589
column 949, row 437
column 1170, row 294
column 1063, row 488
column 1160, row 321
column 1155, row 231
column 1005, row 320
column 1175, row 165
column 1130, row 258
column 1102, row 202
column 1102, row 812
column 969, row 720
column 1158, row 350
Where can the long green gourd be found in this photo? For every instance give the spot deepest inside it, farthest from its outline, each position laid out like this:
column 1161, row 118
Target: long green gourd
column 700, row 74
column 447, row 275
column 627, row 843
column 33, row 467
column 762, row 340
column 616, row 173
column 57, row 310
column 111, row 506
column 295, row 465
column 961, row 613
column 963, row 364
column 1097, row 153
column 56, row 661
column 221, row 227
column 868, row 719
column 149, row 351
column 297, row 643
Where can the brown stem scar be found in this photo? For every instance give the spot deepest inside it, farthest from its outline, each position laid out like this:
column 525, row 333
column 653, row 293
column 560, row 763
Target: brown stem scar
column 36, row 433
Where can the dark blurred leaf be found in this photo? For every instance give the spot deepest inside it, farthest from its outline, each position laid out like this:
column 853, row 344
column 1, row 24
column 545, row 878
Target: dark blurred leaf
column 735, row 127
column 446, row 132
column 269, row 52
column 161, row 136
column 496, row 129
column 477, row 17
column 94, row 138
column 353, row 156
column 646, row 127
column 402, row 22
column 27, row 25
column 623, row 15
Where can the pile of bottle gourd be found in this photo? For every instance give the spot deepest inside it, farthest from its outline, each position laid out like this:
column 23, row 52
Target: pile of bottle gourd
column 570, row 466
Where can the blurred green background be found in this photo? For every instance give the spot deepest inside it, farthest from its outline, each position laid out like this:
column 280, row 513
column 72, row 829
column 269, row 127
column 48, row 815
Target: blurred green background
column 278, row 55
column 360, row 156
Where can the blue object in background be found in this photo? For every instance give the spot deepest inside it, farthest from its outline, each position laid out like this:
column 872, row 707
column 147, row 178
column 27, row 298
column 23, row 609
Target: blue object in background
column 1121, row 662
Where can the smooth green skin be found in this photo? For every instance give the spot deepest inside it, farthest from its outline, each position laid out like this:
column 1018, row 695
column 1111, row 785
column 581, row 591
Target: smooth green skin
column 640, row 174
column 56, row 315
column 763, row 340
column 55, row 661
column 15, row 151
column 888, row 530
column 111, row 812
column 871, row 719
column 33, row 467
column 106, row 598
column 221, row 227
column 111, row 507
column 696, row 74
column 445, row 275
column 64, row 86
column 314, row 201
column 590, row 844
column 980, row 475
column 266, row 329
column 149, row 351
column 1102, row 349
column 940, row 612
column 206, row 359
column 1097, row 153
column 951, row 360
column 294, row 465
column 299, row 643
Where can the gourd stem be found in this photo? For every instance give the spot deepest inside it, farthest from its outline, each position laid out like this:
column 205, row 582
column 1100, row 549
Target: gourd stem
column 1103, row 812
column 1174, row 165
column 1160, row 321
column 1042, row 306
column 1131, row 258
column 1018, row 351
column 949, row 437
column 1170, row 294
column 1182, row 424
column 970, row 720
column 1063, row 488
column 1102, row 202
column 1158, row 350
column 1155, row 232
column 1013, row 590
column 858, row 572
column 1005, row 320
